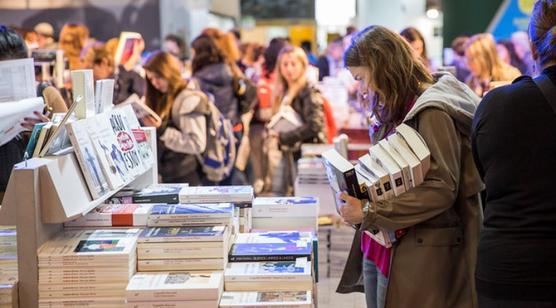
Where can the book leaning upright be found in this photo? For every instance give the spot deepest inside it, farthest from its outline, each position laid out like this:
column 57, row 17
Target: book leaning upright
column 87, row 158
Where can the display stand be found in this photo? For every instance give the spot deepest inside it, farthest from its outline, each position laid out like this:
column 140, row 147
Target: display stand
column 42, row 194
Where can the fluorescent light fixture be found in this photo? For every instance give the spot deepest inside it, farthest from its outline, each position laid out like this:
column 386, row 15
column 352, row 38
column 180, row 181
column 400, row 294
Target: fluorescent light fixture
column 433, row 13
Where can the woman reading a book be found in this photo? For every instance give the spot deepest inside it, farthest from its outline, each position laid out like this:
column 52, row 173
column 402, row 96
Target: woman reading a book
column 436, row 224
column 183, row 110
column 514, row 146
column 295, row 93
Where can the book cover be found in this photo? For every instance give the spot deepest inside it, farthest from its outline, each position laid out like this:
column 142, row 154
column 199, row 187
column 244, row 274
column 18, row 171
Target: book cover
column 271, row 246
column 300, row 270
column 286, row 120
column 341, row 175
column 147, row 157
column 104, row 95
column 126, row 43
column 297, row 299
column 285, row 207
column 184, row 234
column 127, row 143
column 42, row 138
column 173, row 286
column 110, row 156
column 87, row 158
column 83, row 86
column 217, row 194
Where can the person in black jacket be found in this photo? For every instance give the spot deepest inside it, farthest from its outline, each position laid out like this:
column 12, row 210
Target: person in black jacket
column 331, row 63
column 295, row 91
column 514, row 146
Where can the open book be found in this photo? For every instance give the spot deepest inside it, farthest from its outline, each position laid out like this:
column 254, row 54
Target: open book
column 141, row 110
column 12, row 114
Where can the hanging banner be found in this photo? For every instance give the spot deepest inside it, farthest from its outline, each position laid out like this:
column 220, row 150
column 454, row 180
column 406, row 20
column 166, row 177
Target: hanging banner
column 512, row 16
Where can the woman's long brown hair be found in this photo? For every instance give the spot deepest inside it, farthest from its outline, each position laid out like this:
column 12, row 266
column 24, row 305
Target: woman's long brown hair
column 167, row 67
column 396, row 74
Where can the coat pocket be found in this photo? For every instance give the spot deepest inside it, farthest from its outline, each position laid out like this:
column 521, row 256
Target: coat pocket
column 452, row 236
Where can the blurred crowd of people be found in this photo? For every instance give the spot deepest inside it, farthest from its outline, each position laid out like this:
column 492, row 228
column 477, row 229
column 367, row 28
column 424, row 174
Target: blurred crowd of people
column 220, row 65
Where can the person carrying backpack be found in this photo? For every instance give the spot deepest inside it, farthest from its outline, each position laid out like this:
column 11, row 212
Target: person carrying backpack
column 182, row 136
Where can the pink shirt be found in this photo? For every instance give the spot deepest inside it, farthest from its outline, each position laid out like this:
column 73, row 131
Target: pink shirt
column 377, row 253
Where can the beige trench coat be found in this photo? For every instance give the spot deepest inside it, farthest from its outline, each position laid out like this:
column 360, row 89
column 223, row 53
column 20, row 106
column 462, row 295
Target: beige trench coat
column 433, row 265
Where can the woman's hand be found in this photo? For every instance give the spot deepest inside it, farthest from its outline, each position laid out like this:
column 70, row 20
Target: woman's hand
column 29, row 122
column 351, row 208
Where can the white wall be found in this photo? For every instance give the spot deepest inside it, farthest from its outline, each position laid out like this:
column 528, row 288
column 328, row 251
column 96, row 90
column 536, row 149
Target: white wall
column 399, row 14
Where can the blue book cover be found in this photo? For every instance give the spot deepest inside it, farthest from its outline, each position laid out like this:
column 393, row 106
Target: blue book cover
column 33, row 139
column 212, row 209
column 273, row 267
column 284, row 237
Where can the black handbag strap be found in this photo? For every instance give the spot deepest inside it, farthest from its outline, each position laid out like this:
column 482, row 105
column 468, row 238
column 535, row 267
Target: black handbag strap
column 548, row 89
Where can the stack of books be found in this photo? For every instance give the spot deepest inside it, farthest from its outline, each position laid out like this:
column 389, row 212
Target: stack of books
column 8, row 292
column 8, row 254
column 395, row 165
column 113, row 215
column 270, row 261
column 240, row 196
column 156, row 193
column 312, row 181
column 87, row 267
column 175, row 289
column 193, row 214
column 195, row 248
column 285, row 213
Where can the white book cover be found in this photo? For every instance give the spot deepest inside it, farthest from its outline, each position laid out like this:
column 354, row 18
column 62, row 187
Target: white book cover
column 174, row 286
column 417, row 145
column 147, row 156
column 217, row 194
column 17, row 80
column 400, row 161
column 126, row 140
column 373, row 167
column 370, row 181
column 290, row 299
column 298, row 270
column 11, row 114
column 379, row 155
column 283, row 207
column 104, row 95
column 110, row 156
column 114, row 215
column 399, row 144
column 87, row 158
column 83, row 85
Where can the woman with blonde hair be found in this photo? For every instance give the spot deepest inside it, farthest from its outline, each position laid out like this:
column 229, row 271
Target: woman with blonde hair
column 293, row 90
column 436, row 223
column 184, row 111
column 487, row 69
column 73, row 37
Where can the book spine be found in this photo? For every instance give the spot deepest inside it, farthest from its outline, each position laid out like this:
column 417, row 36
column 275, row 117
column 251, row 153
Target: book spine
column 184, row 239
column 275, row 211
column 172, row 295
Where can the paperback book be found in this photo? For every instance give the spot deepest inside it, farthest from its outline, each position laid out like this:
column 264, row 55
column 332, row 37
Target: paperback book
column 191, row 214
column 156, row 193
column 293, row 299
column 114, row 215
column 175, row 286
column 285, row 207
column 271, row 246
column 217, row 194
column 184, row 234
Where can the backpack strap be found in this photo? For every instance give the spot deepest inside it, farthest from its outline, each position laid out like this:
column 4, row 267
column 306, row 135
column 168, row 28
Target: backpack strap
column 548, row 89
